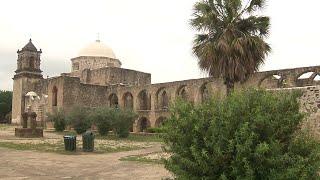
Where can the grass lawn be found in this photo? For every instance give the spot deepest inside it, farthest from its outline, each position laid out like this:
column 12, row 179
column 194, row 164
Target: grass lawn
column 58, row 146
column 4, row 126
column 134, row 137
column 145, row 158
column 53, row 142
column 111, row 136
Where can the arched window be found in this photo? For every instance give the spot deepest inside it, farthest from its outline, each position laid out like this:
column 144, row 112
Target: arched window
column 31, row 63
column 164, row 100
column 113, row 99
column 182, row 93
column 128, row 100
column 54, row 96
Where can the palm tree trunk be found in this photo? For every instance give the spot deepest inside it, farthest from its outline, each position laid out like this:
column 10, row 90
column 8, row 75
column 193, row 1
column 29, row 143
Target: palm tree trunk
column 230, row 87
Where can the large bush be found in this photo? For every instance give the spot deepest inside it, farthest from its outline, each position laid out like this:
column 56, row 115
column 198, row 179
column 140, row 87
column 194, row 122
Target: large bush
column 252, row 134
column 5, row 104
column 79, row 119
column 102, row 117
column 122, row 123
column 59, row 120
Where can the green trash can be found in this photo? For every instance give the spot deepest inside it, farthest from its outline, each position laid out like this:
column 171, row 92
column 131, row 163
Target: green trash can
column 88, row 141
column 70, row 143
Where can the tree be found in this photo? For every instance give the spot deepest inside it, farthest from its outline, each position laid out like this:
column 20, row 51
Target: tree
column 231, row 41
column 252, row 134
column 59, row 120
column 123, row 122
column 79, row 119
column 120, row 121
column 5, row 103
column 102, row 117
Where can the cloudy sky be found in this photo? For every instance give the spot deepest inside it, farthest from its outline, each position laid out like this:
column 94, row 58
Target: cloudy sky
column 147, row 35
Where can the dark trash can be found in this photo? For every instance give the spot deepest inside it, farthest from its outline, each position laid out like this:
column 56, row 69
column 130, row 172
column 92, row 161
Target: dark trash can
column 70, row 143
column 88, row 141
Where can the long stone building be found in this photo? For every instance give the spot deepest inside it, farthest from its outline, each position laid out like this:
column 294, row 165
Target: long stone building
column 97, row 79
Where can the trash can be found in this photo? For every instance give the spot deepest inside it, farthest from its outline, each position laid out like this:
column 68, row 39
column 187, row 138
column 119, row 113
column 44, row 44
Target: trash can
column 88, row 141
column 70, row 143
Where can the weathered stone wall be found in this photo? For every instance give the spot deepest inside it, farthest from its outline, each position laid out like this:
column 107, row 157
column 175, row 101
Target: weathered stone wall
column 81, row 63
column 310, row 105
column 150, row 101
column 112, row 75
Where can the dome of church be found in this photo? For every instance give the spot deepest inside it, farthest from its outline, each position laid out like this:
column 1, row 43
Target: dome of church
column 97, row 49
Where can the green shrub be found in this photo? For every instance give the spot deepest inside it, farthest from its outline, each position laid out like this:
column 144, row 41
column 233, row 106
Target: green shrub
column 8, row 117
column 155, row 130
column 79, row 119
column 252, row 134
column 102, row 117
column 59, row 120
column 122, row 122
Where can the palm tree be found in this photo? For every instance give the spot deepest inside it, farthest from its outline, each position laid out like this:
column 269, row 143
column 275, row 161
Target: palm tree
column 231, row 41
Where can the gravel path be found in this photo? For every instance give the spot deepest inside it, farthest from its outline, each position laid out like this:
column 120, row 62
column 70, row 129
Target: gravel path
column 16, row 164
column 34, row 165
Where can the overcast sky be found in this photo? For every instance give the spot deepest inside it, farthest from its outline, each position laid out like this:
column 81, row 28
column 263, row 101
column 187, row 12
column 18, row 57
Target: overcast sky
column 147, row 35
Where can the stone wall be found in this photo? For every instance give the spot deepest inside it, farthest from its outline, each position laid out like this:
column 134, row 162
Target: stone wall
column 112, row 75
column 150, row 101
column 81, row 63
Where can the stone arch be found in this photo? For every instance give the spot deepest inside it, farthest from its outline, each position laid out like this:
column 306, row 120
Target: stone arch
column 162, row 99
column 182, row 92
column 113, row 101
column 307, row 78
column 305, row 75
column 143, row 124
column 144, row 100
column 54, row 96
column 272, row 81
column 127, row 100
column 160, row 121
column 204, row 92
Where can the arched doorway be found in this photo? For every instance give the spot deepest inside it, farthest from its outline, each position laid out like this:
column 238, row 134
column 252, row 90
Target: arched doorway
column 160, row 121
column 143, row 124
column 113, row 101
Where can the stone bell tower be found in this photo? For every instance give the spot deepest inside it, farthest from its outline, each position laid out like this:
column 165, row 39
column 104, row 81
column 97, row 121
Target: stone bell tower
column 27, row 75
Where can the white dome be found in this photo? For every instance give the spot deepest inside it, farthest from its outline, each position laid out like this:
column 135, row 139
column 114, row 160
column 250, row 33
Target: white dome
column 97, row 49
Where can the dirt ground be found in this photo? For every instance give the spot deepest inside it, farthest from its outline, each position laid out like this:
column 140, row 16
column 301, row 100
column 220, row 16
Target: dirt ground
column 17, row 164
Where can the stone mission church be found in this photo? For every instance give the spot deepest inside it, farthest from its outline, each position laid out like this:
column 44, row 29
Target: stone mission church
column 97, row 79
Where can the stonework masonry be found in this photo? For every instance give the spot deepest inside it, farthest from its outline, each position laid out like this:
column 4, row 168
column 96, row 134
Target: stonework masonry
column 117, row 87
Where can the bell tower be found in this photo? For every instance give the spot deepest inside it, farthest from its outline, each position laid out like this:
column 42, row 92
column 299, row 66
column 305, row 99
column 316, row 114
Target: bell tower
column 27, row 75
